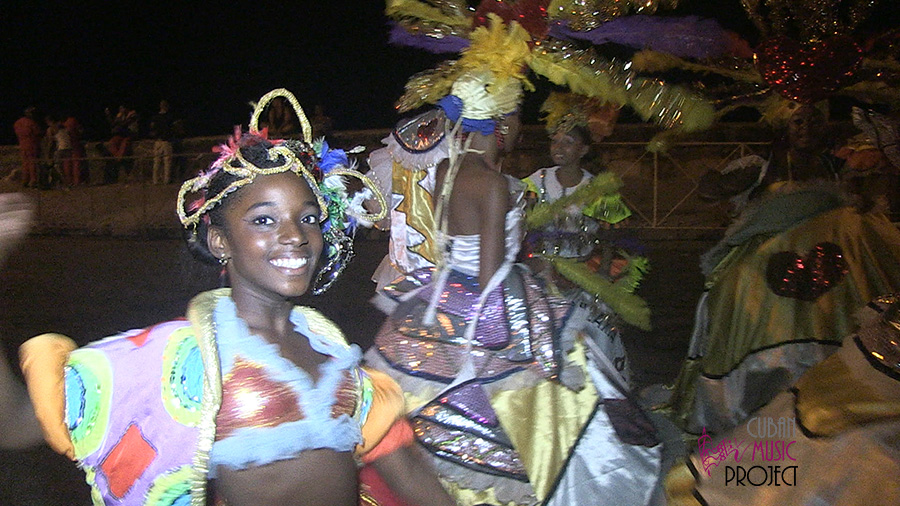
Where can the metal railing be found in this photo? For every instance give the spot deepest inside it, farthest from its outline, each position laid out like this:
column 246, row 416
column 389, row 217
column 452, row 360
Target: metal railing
column 660, row 188
column 668, row 197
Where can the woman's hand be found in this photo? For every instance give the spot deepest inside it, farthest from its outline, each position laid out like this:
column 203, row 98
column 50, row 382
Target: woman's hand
column 16, row 217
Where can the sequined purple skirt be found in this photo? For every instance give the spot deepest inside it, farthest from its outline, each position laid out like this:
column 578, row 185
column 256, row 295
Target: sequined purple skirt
column 518, row 329
column 462, row 427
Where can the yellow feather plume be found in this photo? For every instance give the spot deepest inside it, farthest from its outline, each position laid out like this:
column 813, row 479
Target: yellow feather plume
column 631, row 307
column 501, row 48
column 654, row 61
column 668, row 105
column 584, row 81
column 429, row 86
column 399, row 9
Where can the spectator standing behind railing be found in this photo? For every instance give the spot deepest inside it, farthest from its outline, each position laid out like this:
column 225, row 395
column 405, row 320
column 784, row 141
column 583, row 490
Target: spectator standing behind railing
column 46, row 175
column 124, row 126
column 73, row 174
column 62, row 157
column 161, row 131
column 28, row 133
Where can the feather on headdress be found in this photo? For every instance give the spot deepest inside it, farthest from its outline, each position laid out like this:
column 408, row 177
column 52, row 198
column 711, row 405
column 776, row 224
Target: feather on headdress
column 564, row 111
column 487, row 78
column 799, row 59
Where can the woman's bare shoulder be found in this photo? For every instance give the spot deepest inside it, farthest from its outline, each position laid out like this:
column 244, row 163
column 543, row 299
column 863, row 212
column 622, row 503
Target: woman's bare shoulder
column 483, row 183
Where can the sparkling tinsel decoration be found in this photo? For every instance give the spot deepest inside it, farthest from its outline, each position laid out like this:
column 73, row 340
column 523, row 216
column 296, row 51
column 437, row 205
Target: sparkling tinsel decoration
column 589, row 14
column 807, row 19
column 808, row 71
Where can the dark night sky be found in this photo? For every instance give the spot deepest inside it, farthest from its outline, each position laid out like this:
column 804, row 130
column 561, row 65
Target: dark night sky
column 210, row 61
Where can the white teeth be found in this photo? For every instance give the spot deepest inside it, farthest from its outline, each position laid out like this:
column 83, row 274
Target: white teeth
column 289, row 263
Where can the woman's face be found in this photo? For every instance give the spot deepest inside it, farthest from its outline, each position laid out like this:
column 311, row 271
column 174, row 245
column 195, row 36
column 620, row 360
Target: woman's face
column 272, row 237
column 501, row 142
column 806, row 128
column 566, row 149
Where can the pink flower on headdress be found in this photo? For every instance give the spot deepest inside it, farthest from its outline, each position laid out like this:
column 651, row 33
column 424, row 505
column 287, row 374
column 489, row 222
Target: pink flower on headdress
column 196, row 204
column 202, row 181
column 229, row 149
column 225, row 152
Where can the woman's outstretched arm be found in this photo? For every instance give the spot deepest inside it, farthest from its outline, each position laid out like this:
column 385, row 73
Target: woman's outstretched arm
column 18, row 426
column 16, row 216
column 411, row 477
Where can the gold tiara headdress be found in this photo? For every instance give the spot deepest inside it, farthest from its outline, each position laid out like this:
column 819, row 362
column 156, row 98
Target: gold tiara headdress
column 301, row 157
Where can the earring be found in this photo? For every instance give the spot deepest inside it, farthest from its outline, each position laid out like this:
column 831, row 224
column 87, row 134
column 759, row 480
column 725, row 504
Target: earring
column 223, row 274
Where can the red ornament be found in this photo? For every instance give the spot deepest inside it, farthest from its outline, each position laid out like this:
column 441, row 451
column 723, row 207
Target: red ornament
column 806, row 278
column 531, row 14
column 807, row 71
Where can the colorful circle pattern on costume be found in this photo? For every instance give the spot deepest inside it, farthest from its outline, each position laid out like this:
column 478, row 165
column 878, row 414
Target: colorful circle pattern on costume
column 87, row 403
column 182, row 377
column 171, row 489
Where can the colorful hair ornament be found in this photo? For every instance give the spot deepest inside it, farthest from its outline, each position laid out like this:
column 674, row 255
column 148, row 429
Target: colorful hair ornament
column 564, row 111
column 324, row 169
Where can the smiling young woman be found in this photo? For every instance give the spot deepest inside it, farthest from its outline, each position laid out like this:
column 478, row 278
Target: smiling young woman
column 250, row 399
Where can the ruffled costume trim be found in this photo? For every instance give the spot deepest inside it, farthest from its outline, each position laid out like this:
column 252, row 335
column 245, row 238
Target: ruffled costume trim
column 618, row 296
column 519, row 329
column 600, row 199
column 252, row 446
column 407, row 177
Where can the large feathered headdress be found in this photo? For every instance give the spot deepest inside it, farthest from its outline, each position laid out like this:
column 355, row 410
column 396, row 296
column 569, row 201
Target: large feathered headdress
column 559, row 38
column 682, row 73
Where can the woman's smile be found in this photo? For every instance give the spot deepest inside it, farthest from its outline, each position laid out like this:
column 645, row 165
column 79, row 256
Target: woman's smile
column 290, row 264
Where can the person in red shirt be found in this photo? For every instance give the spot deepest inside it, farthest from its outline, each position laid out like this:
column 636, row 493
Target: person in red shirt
column 28, row 132
column 75, row 130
